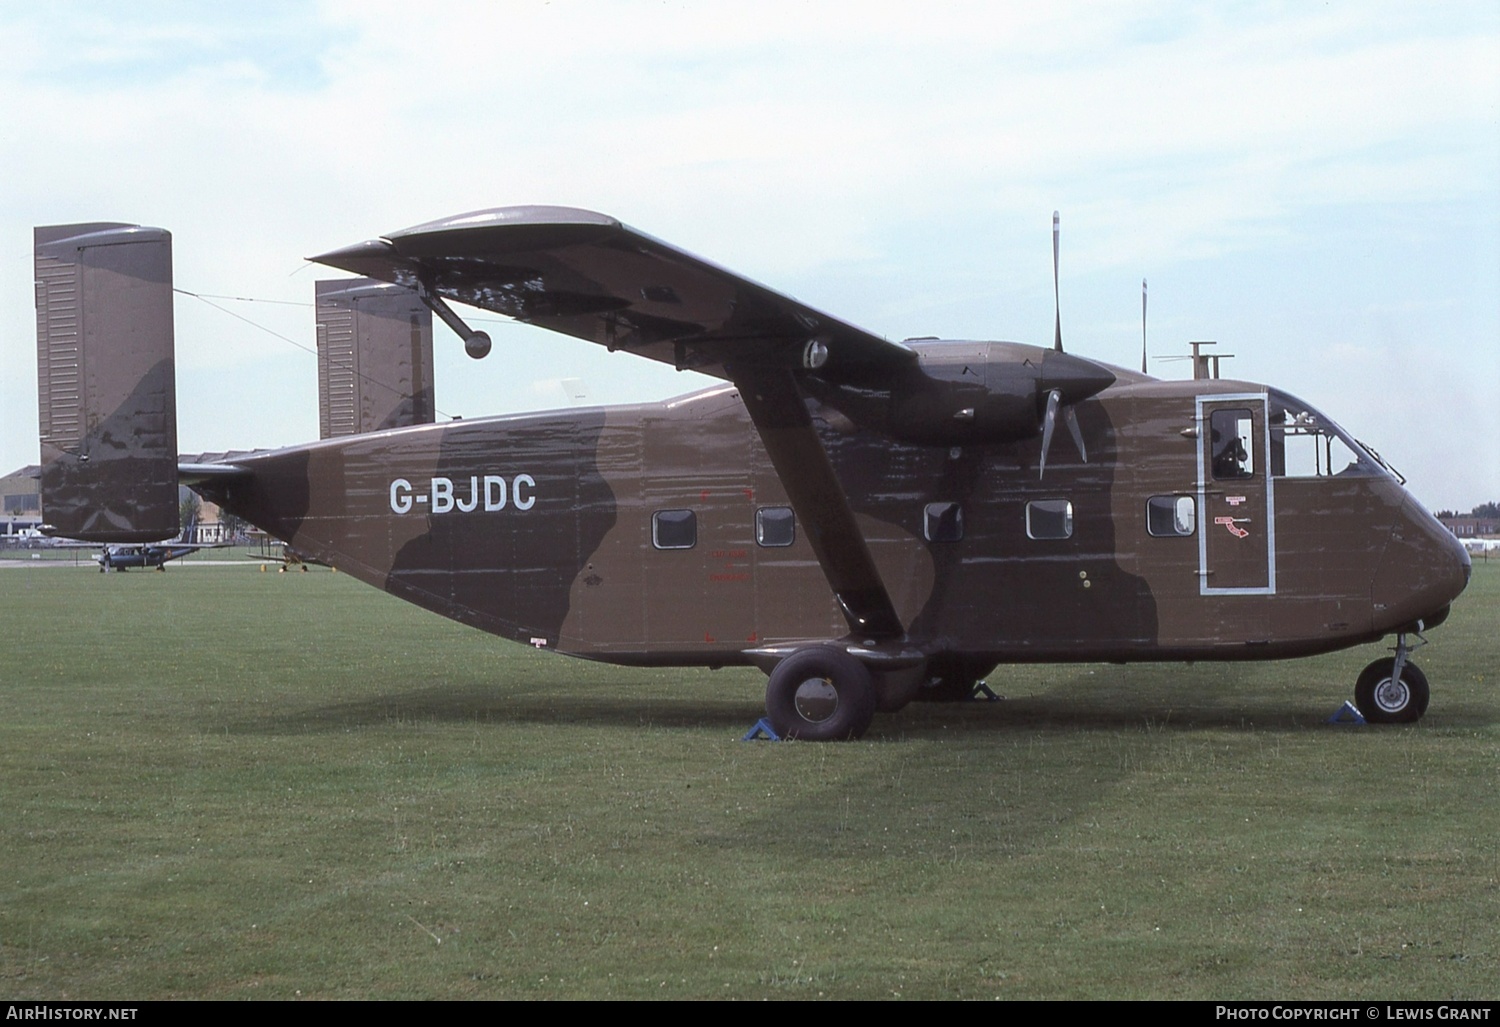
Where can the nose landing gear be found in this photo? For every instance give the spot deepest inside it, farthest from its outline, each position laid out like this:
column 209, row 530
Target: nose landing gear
column 1393, row 690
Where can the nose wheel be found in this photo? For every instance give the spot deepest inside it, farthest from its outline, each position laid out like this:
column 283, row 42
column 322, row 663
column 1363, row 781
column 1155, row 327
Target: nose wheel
column 1393, row 690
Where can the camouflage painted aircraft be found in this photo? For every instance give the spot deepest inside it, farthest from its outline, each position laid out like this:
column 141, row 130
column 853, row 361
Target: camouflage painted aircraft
column 869, row 522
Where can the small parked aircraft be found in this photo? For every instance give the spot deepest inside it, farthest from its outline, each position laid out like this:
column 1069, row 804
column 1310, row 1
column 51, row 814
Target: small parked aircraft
column 868, row 521
column 122, row 557
column 274, row 551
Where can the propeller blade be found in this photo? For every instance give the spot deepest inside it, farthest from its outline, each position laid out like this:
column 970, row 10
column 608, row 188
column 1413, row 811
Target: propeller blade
column 1056, row 299
column 1143, row 326
column 1072, row 419
column 1049, row 421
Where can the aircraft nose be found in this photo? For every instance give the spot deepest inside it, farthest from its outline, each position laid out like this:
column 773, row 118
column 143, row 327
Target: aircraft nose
column 1424, row 569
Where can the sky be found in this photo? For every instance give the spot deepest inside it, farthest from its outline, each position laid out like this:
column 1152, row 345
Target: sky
column 1316, row 187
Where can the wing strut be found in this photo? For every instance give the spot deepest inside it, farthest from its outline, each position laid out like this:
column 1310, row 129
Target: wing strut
column 779, row 411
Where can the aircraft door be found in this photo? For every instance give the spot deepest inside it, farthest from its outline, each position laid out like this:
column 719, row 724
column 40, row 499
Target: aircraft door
column 1236, row 536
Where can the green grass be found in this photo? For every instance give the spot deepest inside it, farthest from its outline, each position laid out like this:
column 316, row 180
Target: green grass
column 219, row 783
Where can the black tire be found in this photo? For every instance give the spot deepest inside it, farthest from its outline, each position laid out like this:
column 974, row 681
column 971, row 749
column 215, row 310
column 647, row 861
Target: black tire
column 1381, row 700
column 820, row 694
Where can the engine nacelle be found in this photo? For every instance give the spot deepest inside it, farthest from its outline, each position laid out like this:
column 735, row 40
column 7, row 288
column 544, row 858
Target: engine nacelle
column 969, row 393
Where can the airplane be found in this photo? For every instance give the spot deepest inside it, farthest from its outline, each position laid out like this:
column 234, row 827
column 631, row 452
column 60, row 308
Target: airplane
column 122, row 557
column 278, row 552
column 25, row 538
column 869, row 522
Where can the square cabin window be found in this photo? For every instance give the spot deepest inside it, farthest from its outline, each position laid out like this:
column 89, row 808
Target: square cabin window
column 1171, row 516
column 674, row 529
column 1049, row 518
column 943, row 522
column 775, row 526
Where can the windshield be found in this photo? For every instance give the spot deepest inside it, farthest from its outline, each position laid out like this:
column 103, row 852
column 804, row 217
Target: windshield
column 1306, row 444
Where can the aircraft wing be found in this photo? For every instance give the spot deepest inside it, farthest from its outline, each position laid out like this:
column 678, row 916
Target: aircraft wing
column 591, row 277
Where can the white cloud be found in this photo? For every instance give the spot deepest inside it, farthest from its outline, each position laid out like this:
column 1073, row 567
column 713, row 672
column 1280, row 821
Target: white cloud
column 894, row 165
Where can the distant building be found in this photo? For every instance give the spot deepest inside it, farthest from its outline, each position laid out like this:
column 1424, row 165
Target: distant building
column 1472, row 527
column 20, row 500
column 210, row 526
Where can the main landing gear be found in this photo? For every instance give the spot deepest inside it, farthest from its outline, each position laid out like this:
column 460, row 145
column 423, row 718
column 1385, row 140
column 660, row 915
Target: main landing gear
column 1393, row 690
column 820, row 694
column 953, row 680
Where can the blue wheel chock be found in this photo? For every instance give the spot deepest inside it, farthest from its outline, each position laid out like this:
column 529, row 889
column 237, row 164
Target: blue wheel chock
column 1347, row 714
column 762, row 729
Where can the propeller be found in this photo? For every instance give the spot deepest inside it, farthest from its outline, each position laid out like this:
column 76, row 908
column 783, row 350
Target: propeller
column 1071, row 418
column 1056, row 299
column 1054, row 397
column 1049, row 422
column 1143, row 326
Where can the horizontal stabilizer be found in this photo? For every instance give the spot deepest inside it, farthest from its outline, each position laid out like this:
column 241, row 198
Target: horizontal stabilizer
column 106, row 382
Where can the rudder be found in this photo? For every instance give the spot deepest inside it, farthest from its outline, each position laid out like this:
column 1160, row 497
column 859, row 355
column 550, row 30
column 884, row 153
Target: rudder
column 106, row 382
column 374, row 357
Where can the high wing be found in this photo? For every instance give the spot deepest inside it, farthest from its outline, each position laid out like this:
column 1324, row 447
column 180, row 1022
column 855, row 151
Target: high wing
column 591, row 277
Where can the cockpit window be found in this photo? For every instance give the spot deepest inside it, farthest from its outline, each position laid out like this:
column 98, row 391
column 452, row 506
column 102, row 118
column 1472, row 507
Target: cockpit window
column 1233, row 444
column 1306, row 444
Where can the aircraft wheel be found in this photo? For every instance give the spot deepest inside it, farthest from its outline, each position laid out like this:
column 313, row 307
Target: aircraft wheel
column 820, row 694
column 1383, row 700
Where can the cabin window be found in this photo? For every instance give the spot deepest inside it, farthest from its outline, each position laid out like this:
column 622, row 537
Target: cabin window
column 775, row 526
column 1049, row 518
column 943, row 522
column 1171, row 516
column 1233, row 444
column 674, row 529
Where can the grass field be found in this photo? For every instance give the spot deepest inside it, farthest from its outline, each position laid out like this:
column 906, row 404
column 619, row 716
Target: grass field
column 219, row 783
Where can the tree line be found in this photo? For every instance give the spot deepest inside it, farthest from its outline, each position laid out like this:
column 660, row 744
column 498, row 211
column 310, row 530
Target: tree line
column 1482, row 510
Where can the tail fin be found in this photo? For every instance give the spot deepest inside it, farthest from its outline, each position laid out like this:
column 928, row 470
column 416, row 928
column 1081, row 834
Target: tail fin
column 106, row 379
column 374, row 357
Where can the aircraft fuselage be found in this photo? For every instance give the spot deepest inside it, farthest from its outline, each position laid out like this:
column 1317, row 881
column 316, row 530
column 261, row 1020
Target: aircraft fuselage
column 125, row 557
column 660, row 534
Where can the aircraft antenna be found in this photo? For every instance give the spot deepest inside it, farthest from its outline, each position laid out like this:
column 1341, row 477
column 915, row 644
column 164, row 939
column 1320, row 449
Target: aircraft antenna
column 1143, row 326
column 209, row 298
column 1056, row 300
